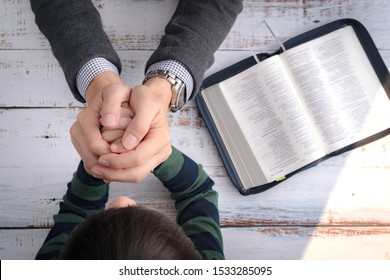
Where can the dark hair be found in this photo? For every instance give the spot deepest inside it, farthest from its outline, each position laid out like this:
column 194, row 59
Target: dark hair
column 132, row 232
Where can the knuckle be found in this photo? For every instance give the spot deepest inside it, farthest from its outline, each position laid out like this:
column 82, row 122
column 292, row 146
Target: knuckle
column 138, row 160
column 137, row 177
column 114, row 164
column 94, row 147
column 72, row 130
column 109, row 178
column 80, row 116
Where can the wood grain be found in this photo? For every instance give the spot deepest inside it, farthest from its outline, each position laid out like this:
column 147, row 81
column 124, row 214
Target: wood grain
column 258, row 243
column 331, row 193
column 337, row 210
column 141, row 31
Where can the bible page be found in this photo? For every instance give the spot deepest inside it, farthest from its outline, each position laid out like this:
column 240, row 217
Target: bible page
column 339, row 88
column 272, row 118
column 236, row 145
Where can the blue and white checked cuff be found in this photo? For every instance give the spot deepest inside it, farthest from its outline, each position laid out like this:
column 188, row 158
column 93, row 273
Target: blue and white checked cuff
column 99, row 65
column 90, row 70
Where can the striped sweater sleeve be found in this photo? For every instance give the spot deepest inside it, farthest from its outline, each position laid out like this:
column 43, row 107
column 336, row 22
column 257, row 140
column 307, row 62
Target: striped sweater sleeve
column 196, row 202
column 85, row 195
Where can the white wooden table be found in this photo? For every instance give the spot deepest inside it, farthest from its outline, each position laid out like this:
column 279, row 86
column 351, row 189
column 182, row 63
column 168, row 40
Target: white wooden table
column 337, row 210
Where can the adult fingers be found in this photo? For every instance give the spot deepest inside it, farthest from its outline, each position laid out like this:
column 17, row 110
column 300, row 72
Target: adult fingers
column 151, row 147
column 89, row 159
column 132, row 174
column 145, row 109
column 88, row 133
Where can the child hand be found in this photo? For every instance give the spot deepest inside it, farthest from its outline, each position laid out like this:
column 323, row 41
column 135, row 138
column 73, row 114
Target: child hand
column 114, row 135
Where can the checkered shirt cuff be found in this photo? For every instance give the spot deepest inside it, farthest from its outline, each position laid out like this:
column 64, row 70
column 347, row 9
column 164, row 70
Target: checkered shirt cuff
column 176, row 68
column 90, row 70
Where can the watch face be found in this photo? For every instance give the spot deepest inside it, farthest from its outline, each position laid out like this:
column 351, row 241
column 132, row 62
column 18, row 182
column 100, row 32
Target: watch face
column 181, row 100
column 179, row 97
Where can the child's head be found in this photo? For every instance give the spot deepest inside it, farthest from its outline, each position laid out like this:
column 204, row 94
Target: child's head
column 129, row 232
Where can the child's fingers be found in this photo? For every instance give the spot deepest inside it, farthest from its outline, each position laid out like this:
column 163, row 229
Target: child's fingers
column 122, row 124
column 112, row 135
column 117, row 146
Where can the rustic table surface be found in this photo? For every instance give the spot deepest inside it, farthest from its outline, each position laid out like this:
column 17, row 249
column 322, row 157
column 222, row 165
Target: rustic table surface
column 339, row 209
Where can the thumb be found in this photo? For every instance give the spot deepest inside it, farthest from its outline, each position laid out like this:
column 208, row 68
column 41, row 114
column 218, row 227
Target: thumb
column 113, row 97
column 139, row 126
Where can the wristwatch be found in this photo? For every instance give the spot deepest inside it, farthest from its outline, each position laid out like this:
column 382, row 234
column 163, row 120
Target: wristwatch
column 179, row 96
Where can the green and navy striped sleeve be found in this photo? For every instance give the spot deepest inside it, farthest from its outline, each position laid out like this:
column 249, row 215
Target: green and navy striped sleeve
column 196, row 202
column 85, row 195
column 189, row 185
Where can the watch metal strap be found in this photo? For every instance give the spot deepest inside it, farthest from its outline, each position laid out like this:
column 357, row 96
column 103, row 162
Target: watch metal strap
column 178, row 87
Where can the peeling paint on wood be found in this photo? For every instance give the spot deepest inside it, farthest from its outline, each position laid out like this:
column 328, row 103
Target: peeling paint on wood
column 341, row 205
column 251, row 243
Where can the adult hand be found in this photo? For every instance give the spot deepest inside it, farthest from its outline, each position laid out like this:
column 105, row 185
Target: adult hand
column 106, row 90
column 145, row 142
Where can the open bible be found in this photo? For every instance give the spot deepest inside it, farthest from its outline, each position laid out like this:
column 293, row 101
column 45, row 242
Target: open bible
column 327, row 93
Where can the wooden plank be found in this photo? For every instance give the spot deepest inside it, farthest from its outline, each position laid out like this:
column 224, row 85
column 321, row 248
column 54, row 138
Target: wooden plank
column 33, row 78
column 31, row 202
column 143, row 29
column 38, row 159
column 262, row 243
column 291, row 243
column 48, row 131
column 19, row 31
column 348, row 189
column 337, row 210
column 21, row 244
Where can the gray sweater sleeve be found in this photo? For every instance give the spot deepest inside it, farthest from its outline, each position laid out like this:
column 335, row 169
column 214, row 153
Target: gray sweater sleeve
column 194, row 34
column 75, row 32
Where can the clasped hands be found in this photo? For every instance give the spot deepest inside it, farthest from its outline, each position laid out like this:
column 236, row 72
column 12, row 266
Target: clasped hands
column 123, row 133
